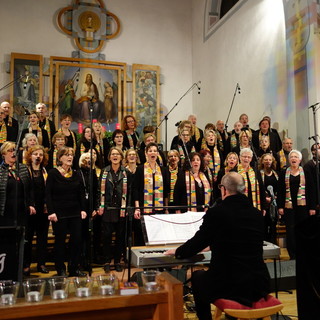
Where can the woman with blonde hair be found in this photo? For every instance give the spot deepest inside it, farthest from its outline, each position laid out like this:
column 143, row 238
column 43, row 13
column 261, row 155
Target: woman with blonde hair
column 212, row 146
column 131, row 136
column 29, row 140
column 131, row 160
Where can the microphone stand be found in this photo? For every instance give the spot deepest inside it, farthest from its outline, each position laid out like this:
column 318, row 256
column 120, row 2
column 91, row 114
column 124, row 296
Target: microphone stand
column 231, row 106
column 90, row 244
column 8, row 85
column 166, row 116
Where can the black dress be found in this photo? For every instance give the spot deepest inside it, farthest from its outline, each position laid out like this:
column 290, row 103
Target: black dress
column 37, row 223
column 65, row 197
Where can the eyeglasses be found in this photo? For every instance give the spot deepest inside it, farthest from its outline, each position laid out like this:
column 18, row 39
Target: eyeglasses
column 220, row 186
column 130, row 121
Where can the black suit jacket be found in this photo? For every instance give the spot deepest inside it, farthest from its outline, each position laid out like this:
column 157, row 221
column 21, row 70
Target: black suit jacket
column 234, row 231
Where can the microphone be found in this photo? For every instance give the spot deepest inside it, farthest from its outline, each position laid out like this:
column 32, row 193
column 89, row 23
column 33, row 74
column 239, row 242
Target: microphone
column 239, row 90
column 25, row 83
column 314, row 105
column 26, row 111
column 177, row 124
column 270, row 189
column 198, row 86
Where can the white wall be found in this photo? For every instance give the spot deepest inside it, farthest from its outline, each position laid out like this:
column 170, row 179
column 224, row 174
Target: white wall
column 249, row 49
column 153, row 32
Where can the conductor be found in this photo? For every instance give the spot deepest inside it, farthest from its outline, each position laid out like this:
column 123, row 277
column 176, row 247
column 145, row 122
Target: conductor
column 234, row 232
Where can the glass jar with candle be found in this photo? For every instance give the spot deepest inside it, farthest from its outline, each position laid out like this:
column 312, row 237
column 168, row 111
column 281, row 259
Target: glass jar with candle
column 8, row 292
column 83, row 286
column 59, row 288
column 34, row 289
column 106, row 284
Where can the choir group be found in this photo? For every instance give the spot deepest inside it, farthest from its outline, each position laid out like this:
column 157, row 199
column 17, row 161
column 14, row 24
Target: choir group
column 51, row 181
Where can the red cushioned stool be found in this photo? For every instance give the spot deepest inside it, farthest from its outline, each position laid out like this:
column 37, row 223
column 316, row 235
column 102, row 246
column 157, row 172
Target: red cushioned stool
column 263, row 308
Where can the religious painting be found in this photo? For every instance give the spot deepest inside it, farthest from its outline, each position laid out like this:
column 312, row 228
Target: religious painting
column 146, row 95
column 26, row 79
column 83, row 88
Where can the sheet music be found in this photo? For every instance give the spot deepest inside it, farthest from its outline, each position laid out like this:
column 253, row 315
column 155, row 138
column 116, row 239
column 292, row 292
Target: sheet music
column 172, row 228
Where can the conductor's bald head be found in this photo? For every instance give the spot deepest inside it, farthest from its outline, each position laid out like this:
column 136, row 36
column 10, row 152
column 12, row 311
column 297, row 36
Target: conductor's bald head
column 232, row 183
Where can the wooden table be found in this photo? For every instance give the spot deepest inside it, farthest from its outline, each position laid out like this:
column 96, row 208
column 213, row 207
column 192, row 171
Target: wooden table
column 166, row 304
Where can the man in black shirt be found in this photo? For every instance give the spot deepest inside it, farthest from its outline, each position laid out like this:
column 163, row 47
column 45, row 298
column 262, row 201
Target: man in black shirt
column 234, row 232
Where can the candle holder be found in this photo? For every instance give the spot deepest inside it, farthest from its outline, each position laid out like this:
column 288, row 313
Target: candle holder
column 83, row 286
column 59, row 288
column 8, row 292
column 106, row 284
column 150, row 280
column 34, row 289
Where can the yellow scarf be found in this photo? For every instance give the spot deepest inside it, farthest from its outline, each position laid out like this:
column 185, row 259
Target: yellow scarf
column 254, row 185
column 191, row 190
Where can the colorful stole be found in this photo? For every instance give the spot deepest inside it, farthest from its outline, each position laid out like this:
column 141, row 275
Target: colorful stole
column 82, row 149
column 254, row 185
column 131, row 140
column 182, row 155
column 196, row 133
column 215, row 162
column 24, row 160
column 233, row 141
column 301, row 196
column 173, row 180
column 219, row 139
column 66, row 174
column 39, row 133
column 98, row 171
column 191, row 190
column 47, row 128
column 54, row 157
column 3, row 133
column 283, row 159
column 151, row 189
column 263, row 174
column 123, row 195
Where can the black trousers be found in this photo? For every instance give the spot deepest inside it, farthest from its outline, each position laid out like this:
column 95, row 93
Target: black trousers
column 289, row 219
column 202, row 297
column 61, row 228
column 36, row 224
column 119, row 229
